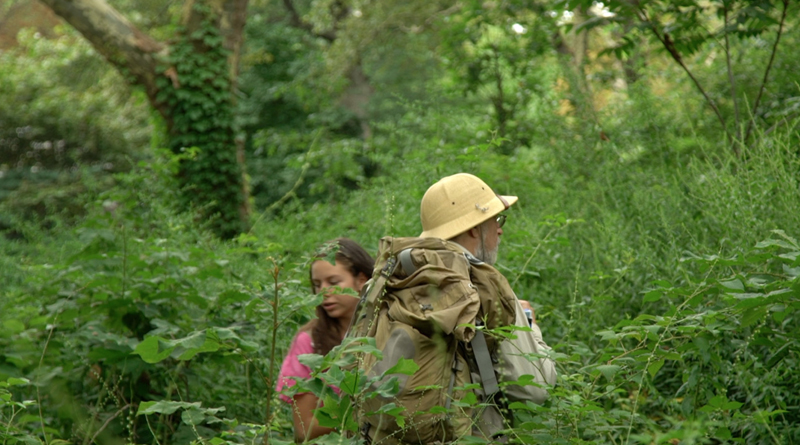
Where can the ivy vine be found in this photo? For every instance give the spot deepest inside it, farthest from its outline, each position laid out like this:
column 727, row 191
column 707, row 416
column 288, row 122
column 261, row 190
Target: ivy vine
column 196, row 88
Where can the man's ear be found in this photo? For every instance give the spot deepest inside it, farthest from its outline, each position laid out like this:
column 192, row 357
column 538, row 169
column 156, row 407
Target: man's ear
column 361, row 279
column 474, row 232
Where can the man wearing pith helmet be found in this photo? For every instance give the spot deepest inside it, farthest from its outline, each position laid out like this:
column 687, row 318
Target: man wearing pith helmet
column 463, row 209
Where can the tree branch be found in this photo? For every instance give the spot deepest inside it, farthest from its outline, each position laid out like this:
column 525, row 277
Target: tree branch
column 669, row 45
column 126, row 47
column 766, row 72
column 731, row 79
column 105, row 424
column 296, row 21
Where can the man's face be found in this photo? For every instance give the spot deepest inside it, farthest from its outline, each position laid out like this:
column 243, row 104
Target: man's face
column 490, row 241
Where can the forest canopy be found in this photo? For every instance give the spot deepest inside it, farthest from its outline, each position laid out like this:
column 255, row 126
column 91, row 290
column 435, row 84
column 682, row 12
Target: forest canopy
column 168, row 169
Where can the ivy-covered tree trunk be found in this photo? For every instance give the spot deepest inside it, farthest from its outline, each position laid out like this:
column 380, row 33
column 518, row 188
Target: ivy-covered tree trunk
column 190, row 82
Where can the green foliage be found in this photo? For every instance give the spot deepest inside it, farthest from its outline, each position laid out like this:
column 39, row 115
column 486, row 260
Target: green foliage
column 691, row 30
column 494, row 51
column 198, row 96
column 655, row 261
column 301, row 142
column 147, row 328
column 11, row 411
column 133, row 314
column 67, row 122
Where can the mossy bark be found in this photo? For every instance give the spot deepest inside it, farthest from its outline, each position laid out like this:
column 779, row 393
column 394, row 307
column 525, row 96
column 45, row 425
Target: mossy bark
column 190, row 83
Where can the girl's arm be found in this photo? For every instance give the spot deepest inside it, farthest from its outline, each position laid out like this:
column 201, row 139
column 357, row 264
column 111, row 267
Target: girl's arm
column 306, row 426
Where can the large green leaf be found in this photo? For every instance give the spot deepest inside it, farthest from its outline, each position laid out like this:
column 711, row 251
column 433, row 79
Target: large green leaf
column 164, row 407
column 154, row 349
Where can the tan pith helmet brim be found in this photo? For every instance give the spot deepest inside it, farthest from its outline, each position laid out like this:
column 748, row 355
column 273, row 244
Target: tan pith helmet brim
column 458, row 203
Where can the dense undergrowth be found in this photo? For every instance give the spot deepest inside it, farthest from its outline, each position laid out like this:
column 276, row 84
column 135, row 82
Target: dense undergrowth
column 669, row 294
column 663, row 268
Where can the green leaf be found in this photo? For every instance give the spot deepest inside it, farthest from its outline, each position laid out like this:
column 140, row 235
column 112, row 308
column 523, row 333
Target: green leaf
column 232, row 296
column 14, row 326
column 732, row 405
column 192, row 416
column 388, row 388
column 154, row 349
column 333, row 411
column 470, row 398
column 723, row 433
column 752, row 316
column 654, row 366
column 202, row 341
column 734, row 284
column 164, row 407
column 403, row 366
column 779, row 355
column 17, row 381
column 707, row 409
column 653, row 295
column 609, row 371
column 352, row 383
column 98, row 354
column 718, row 401
column 701, row 343
column 523, row 406
column 390, row 408
column 313, row 361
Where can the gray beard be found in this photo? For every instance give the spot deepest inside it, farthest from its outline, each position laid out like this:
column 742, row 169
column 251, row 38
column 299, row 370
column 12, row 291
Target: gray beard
column 487, row 256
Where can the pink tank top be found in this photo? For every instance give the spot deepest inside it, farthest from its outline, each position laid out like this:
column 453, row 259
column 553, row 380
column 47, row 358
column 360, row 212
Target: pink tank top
column 292, row 369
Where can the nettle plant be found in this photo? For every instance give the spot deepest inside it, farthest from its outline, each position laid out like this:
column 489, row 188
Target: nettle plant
column 711, row 363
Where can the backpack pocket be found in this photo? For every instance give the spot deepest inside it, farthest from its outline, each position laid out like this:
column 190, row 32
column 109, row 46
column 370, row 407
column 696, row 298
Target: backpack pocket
column 440, row 379
column 438, row 297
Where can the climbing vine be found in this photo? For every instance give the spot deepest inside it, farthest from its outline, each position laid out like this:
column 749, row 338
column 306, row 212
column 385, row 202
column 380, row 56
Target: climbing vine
column 196, row 87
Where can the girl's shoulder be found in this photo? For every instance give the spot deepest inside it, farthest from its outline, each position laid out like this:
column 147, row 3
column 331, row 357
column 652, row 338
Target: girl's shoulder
column 302, row 342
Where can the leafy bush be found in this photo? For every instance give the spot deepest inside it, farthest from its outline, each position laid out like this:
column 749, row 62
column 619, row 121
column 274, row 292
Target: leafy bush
column 67, row 122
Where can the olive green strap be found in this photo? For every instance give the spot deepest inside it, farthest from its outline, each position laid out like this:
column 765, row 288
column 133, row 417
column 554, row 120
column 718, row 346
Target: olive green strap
column 370, row 299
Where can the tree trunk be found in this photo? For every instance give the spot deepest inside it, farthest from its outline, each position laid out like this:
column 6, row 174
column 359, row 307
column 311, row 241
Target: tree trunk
column 190, row 83
column 232, row 16
column 356, row 97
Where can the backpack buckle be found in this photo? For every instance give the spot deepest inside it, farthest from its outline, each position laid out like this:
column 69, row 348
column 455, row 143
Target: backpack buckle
column 364, row 430
column 388, row 269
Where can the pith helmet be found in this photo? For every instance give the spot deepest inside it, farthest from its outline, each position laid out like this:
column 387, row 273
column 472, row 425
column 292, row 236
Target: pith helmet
column 458, row 203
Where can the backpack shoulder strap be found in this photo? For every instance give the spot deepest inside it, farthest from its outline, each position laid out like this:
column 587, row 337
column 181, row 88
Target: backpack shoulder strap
column 485, row 366
column 480, row 348
column 370, row 298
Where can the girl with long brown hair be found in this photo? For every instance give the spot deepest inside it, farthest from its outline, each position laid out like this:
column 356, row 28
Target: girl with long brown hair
column 351, row 270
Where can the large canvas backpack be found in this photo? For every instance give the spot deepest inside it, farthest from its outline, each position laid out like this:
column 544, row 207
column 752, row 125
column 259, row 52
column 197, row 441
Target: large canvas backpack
column 423, row 303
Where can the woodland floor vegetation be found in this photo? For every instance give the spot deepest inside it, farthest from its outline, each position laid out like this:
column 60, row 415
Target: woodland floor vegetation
column 658, row 238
